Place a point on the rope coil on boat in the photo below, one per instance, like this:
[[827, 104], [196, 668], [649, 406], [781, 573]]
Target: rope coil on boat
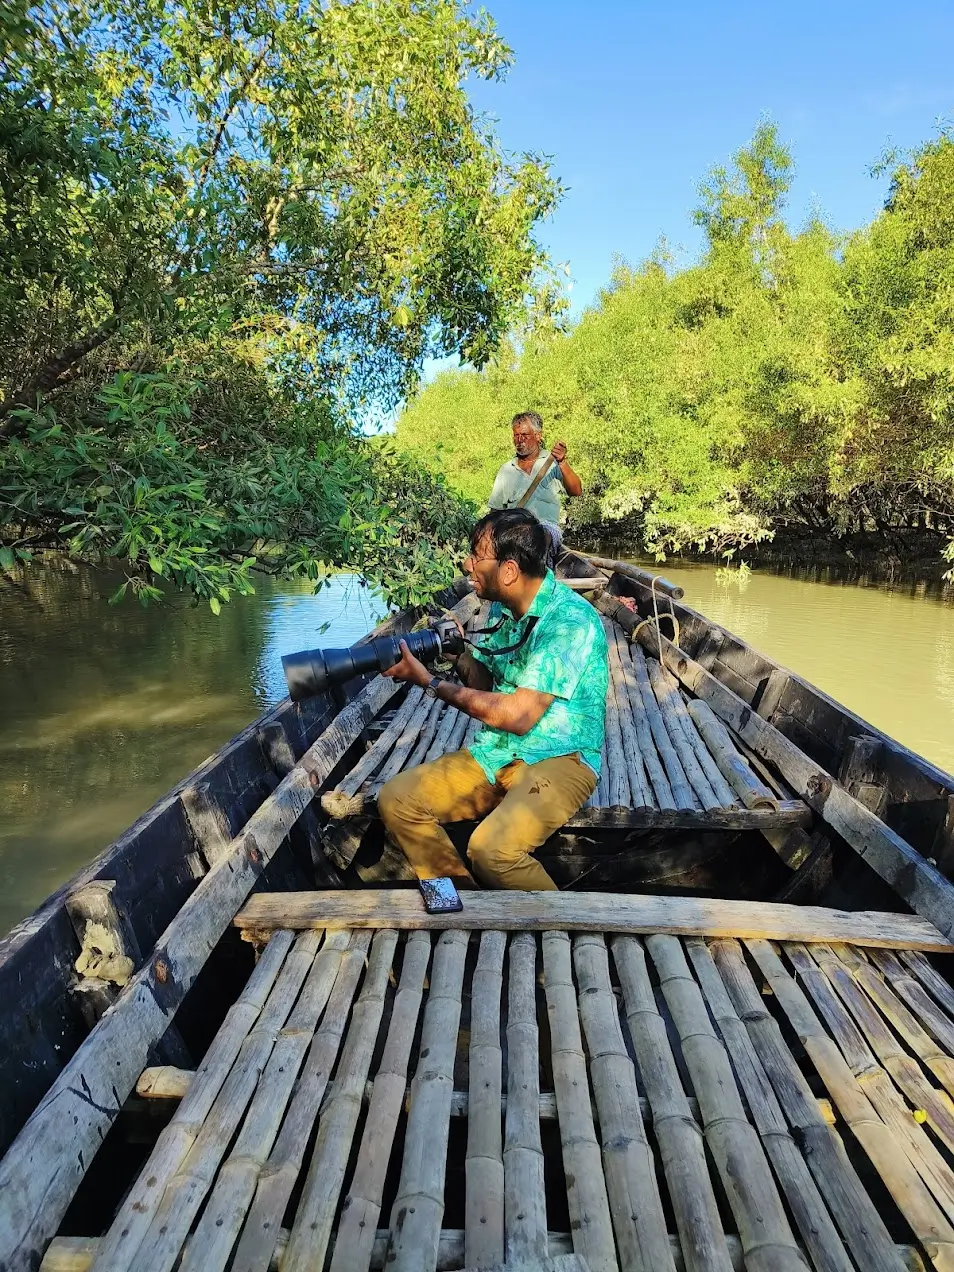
[[654, 621]]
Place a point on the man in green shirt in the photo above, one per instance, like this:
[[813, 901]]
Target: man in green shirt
[[541, 701]]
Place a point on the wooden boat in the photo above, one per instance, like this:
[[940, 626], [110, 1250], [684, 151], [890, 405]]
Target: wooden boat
[[728, 1042]]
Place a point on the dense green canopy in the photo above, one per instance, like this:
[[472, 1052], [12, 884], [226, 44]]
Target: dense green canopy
[[227, 231], [786, 379]]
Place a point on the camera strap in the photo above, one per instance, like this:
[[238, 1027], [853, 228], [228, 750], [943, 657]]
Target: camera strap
[[507, 649]]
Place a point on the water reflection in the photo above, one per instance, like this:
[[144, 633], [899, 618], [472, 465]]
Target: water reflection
[[104, 708]]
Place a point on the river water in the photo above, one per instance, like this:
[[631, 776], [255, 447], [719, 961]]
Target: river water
[[103, 708]]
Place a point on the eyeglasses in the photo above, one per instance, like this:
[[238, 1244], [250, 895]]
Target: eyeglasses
[[475, 559]]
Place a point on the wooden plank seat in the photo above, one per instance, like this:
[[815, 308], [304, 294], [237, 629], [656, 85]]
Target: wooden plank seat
[[386, 1099], [668, 763]]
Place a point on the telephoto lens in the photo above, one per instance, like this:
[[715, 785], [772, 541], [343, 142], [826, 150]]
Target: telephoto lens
[[312, 670]]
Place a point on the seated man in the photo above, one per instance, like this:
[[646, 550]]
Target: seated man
[[541, 702]]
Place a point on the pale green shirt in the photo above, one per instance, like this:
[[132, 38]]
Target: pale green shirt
[[511, 483], [565, 655]]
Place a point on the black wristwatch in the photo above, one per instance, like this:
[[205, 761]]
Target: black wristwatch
[[432, 688]]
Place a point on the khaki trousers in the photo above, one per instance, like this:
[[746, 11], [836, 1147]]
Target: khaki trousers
[[517, 813]]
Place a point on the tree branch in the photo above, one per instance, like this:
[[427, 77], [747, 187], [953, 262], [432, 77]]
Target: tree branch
[[47, 377]]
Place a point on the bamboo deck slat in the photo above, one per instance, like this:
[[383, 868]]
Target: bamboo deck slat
[[292, 1138]]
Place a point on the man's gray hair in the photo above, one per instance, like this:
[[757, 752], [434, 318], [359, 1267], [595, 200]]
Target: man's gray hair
[[528, 417]]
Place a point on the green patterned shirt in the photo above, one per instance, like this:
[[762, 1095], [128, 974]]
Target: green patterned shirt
[[566, 656]]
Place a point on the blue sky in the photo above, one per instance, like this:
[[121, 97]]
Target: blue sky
[[636, 101]]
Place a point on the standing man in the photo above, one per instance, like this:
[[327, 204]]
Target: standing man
[[517, 475], [537, 683]]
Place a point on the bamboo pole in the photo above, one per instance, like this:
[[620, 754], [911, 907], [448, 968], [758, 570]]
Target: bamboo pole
[[637, 715], [909, 1028], [925, 1010], [449, 721], [664, 688], [628, 1165], [901, 1179], [919, 883], [767, 1239], [311, 1231], [906, 1072], [228, 1204], [733, 766], [619, 795], [185, 1192], [419, 1204], [118, 1247], [639, 782], [525, 1211], [362, 1205], [680, 1142], [484, 1199], [628, 571], [884, 1097], [280, 1173], [735, 769], [928, 976], [682, 792], [406, 743], [337, 803], [582, 1165], [74, 1254], [818, 1232], [854, 1211]]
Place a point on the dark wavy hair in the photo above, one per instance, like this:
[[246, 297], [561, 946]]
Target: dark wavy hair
[[514, 534]]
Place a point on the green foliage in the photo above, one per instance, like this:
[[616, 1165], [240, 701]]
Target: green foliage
[[300, 200], [136, 479], [787, 379]]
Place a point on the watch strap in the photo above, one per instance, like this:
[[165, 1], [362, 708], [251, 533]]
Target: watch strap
[[433, 685]]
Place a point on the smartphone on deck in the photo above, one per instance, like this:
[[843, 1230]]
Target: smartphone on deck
[[440, 896]]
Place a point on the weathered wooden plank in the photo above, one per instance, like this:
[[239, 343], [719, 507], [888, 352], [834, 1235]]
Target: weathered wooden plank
[[637, 735], [590, 912], [788, 813], [633, 572]]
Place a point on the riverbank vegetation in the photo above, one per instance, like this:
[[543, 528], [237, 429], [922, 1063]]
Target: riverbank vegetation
[[227, 233], [790, 383]]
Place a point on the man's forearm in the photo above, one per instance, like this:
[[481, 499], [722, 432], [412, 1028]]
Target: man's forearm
[[503, 711], [571, 481]]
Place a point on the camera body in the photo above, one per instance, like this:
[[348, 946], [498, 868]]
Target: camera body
[[312, 670]]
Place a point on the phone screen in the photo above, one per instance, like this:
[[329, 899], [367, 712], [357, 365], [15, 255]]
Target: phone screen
[[440, 896]]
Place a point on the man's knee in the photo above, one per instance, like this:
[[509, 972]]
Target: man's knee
[[396, 798], [485, 854]]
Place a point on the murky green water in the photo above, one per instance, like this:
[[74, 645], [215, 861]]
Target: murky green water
[[102, 709], [105, 707]]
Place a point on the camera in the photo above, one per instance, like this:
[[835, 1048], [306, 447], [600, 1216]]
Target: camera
[[312, 670]]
